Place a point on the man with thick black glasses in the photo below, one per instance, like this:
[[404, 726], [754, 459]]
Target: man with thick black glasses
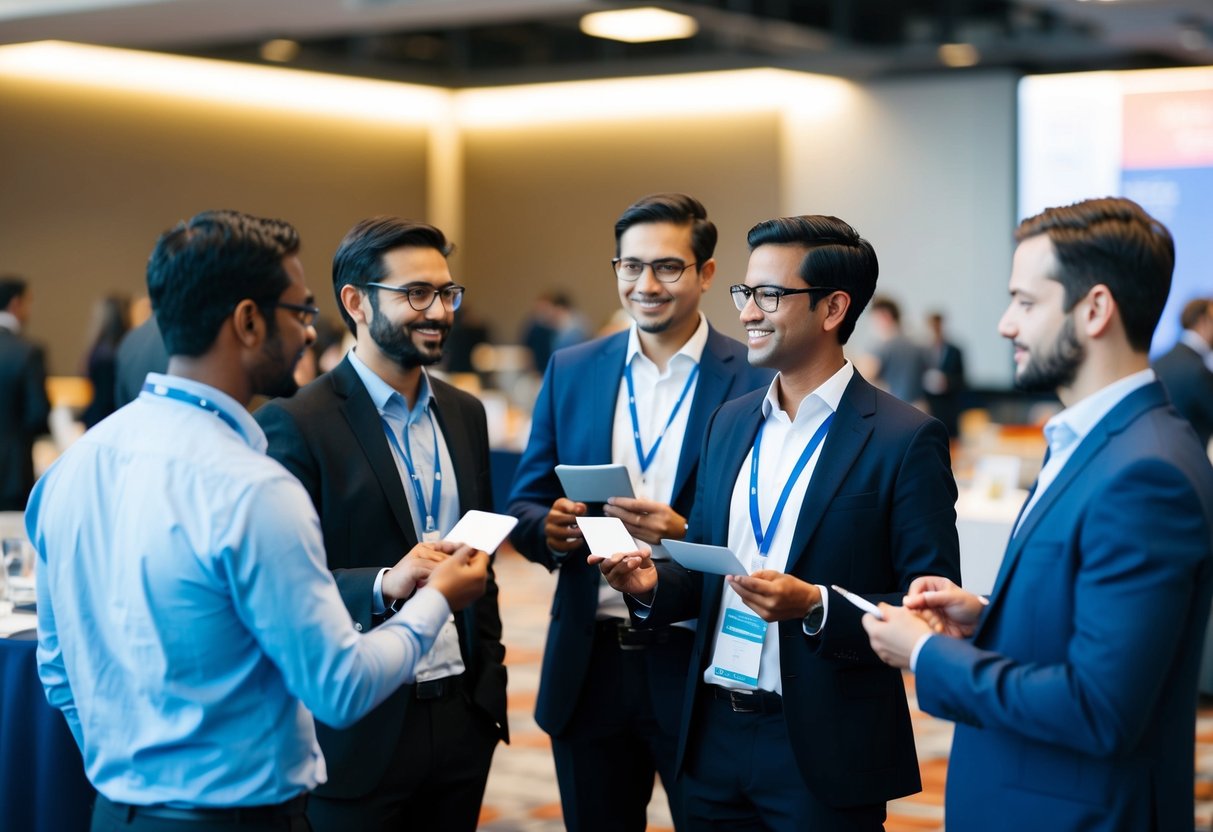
[[609, 695], [392, 458], [790, 720]]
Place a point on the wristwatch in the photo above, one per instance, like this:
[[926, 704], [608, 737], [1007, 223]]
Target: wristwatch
[[814, 618]]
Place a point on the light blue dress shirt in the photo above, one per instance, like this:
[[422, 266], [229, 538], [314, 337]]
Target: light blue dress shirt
[[186, 620]]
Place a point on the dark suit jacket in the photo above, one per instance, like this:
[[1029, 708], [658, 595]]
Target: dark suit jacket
[[23, 411], [879, 512], [140, 352], [572, 425], [330, 436], [1190, 385], [1076, 696]]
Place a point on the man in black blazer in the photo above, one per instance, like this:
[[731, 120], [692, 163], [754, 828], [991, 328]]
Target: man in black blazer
[[1185, 372], [141, 351], [23, 402], [392, 458], [791, 722]]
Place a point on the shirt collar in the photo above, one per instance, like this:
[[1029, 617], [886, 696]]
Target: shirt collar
[[247, 426], [9, 321], [1074, 423], [829, 393], [1198, 345], [692, 349], [386, 398]]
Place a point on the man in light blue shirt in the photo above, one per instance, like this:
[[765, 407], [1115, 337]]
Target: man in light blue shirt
[[188, 628]]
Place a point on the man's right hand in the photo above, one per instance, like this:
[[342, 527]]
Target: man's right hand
[[949, 609], [462, 577], [632, 573], [413, 570], [561, 529]]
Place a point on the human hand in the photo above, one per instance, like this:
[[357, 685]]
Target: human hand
[[647, 520], [947, 608], [411, 571], [462, 577], [894, 638], [775, 596], [632, 573], [560, 528]]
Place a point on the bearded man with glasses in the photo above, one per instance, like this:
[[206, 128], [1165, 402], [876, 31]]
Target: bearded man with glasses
[[790, 721], [392, 458]]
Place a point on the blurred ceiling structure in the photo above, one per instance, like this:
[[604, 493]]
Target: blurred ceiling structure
[[479, 43]]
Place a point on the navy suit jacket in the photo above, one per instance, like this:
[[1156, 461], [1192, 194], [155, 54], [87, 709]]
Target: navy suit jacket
[[1190, 385], [329, 435], [1076, 696], [879, 512], [23, 411], [572, 425]]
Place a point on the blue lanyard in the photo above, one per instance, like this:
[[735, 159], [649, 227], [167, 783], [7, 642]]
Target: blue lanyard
[[189, 398], [430, 512], [644, 459], [763, 539]]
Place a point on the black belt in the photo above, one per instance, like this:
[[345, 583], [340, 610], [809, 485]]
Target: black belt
[[632, 638], [438, 688], [749, 701], [293, 808]]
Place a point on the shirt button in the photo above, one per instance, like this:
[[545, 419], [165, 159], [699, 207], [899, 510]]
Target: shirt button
[[358, 626]]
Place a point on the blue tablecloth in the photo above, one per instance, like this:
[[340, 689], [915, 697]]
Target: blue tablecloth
[[42, 782]]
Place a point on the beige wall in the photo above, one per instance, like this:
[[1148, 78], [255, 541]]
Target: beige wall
[[541, 204], [88, 180]]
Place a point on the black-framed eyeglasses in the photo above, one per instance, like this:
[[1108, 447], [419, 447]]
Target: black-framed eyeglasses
[[305, 313], [666, 271], [421, 295], [767, 297]]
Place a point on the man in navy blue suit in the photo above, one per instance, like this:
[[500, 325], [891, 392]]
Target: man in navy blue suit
[[609, 693], [790, 721], [1074, 687]]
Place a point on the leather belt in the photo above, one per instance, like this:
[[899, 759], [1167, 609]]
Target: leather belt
[[293, 808], [632, 638], [749, 701], [438, 688]]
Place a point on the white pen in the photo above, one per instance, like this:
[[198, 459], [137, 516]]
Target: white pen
[[863, 603]]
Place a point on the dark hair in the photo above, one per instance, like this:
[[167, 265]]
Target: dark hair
[[11, 287], [837, 256], [678, 209], [1114, 242], [201, 269], [359, 257], [888, 306], [1193, 311]]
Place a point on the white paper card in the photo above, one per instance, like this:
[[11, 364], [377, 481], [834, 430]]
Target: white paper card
[[482, 530], [606, 536]]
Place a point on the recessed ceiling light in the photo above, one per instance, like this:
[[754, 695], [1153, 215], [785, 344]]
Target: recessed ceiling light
[[640, 25], [279, 50], [958, 54]]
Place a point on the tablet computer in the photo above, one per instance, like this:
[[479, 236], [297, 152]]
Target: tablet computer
[[594, 483], [717, 560]]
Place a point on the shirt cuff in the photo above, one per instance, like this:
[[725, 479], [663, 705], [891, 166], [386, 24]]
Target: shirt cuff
[[378, 607], [918, 649], [425, 614], [825, 612]]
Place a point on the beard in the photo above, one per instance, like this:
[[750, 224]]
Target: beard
[[396, 342], [276, 375], [1058, 367]]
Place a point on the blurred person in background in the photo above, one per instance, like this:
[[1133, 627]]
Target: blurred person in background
[[24, 406], [140, 352], [902, 363], [944, 379], [1184, 370], [110, 322]]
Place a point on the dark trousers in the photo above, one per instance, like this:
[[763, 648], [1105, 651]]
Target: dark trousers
[[740, 776], [606, 759], [435, 779], [117, 817]]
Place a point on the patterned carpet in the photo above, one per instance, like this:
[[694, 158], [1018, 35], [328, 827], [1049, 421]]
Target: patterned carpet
[[522, 794]]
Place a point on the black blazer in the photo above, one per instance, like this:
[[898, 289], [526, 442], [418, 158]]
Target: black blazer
[[1189, 383], [330, 436], [879, 512], [23, 411]]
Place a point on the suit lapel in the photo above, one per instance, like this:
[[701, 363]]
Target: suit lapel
[[367, 429], [710, 392], [605, 385], [847, 437]]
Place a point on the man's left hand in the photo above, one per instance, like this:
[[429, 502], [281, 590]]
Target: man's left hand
[[894, 638], [775, 596], [647, 520]]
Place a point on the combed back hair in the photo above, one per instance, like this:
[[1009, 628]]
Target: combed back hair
[[1193, 311], [11, 287], [837, 256], [359, 258], [678, 209], [202, 268], [1110, 241]]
